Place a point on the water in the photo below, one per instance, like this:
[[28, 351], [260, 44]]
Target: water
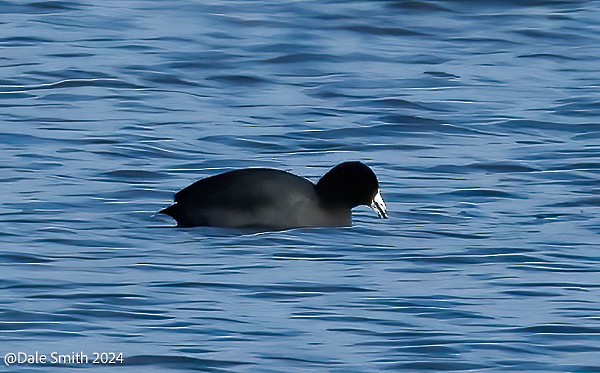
[[480, 119]]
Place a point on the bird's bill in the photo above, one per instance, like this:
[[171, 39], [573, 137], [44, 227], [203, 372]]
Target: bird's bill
[[379, 206]]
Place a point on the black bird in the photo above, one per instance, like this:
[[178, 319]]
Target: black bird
[[272, 199]]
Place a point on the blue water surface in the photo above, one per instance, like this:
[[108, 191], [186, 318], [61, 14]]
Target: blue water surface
[[481, 119]]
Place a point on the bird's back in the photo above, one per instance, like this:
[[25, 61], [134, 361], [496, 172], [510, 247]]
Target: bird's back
[[256, 197]]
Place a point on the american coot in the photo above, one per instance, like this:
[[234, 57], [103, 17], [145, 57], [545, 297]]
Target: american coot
[[273, 199]]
